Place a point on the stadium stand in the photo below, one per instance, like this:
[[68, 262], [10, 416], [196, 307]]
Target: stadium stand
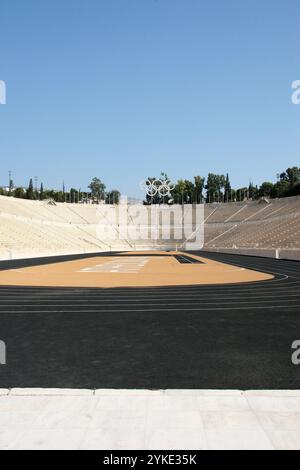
[[41, 228], [267, 226]]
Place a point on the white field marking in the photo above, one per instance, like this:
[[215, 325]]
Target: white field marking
[[16, 270], [124, 265], [236, 269]]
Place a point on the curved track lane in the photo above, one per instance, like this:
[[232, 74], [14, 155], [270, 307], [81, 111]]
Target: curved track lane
[[231, 336]]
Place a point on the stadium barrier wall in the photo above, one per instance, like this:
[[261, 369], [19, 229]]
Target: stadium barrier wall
[[12, 255], [278, 253]]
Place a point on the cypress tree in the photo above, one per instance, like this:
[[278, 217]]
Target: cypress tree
[[29, 192], [42, 192]]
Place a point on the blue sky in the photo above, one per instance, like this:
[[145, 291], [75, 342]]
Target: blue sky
[[122, 89]]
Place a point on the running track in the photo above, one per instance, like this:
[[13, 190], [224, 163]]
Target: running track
[[234, 336]]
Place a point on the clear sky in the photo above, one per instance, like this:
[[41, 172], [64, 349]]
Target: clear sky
[[123, 89]]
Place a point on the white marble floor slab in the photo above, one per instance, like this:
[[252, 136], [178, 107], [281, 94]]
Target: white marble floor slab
[[145, 419]]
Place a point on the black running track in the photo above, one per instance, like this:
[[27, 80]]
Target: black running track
[[229, 336]]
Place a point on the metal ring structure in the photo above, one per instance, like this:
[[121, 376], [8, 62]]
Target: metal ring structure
[[157, 186]]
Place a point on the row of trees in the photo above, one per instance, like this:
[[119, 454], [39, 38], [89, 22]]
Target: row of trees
[[214, 188], [217, 188], [97, 193]]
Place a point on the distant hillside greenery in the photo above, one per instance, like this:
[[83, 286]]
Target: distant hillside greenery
[[213, 188], [217, 188], [97, 193]]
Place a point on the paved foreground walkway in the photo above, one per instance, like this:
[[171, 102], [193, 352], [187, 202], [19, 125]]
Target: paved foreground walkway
[[144, 419]]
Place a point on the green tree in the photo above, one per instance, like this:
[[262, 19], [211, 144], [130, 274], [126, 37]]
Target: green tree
[[189, 192], [227, 187], [214, 185], [199, 186], [30, 192], [19, 192], [180, 190], [73, 195], [11, 186], [293, 175], [113, 197], [252, 191], [42, 192], [241, 194], [97, 189], [295, 190], [266, 189]]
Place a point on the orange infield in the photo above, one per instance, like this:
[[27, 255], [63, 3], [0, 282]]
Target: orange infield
[[131, 269]]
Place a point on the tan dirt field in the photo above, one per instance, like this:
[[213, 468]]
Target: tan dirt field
[[123, 271]]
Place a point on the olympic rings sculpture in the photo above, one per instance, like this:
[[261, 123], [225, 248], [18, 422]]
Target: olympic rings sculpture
[[161, 187]]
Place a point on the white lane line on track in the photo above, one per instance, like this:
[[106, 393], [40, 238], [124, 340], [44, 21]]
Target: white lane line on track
[[246, 286], [112, 292], [129, 304], [104, 292], [230, 285], [121, 299], [186, 309], [261, 286], [258, 267], [205, 289]]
